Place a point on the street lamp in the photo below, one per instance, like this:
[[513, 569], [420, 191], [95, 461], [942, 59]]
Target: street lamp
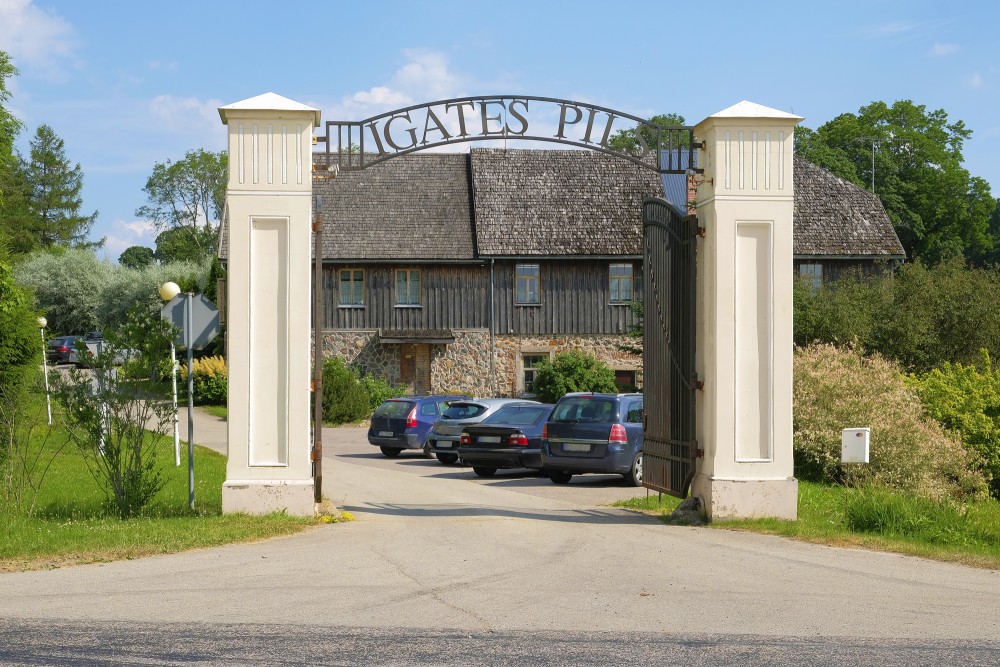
[[167, 292], [42, 322]]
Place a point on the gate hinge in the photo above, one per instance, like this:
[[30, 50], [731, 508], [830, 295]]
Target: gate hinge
[[699, 385], [699, 453]]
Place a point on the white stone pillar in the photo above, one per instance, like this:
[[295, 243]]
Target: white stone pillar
[[744, 327], [268, 305]]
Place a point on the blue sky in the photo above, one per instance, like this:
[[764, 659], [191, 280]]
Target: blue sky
[[129, 84]]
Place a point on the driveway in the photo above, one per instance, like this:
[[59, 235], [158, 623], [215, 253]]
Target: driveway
[[441, 567]]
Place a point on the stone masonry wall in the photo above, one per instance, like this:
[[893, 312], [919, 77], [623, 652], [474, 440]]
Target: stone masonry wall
[[464, 366]]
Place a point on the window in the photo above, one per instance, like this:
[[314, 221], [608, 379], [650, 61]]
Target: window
[[408, 287], [620, 282], [531, 363], [813, 272], [527, 284], [625, 380], [352, 287]]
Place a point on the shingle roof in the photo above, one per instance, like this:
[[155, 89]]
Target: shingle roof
[[410, 208], [533, 202], [835, 217]]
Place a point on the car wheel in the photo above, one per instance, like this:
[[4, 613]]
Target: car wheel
[[391, 452], [484, 472], [634, 475], [560, 477], [447, 459]]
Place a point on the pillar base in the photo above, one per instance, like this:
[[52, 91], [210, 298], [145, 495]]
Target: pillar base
[[254, 496], [747, 498]]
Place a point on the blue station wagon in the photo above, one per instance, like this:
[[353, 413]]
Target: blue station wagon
[[594, 433], [403, 423]]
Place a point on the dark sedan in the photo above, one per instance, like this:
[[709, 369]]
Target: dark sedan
[[509, 438]]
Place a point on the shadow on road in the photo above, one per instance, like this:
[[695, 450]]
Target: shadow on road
[[593, 516]]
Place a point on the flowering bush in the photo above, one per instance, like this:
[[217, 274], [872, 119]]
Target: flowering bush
[[966, 399], [837, 388], [211, 380]]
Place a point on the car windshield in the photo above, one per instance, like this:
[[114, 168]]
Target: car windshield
[[518, 415], [463, 411], [584, 409], [393, 409]]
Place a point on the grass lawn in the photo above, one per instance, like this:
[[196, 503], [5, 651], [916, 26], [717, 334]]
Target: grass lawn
[[836, 516], [72, 524]]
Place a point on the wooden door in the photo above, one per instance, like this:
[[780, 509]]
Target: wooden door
[[415, 368]]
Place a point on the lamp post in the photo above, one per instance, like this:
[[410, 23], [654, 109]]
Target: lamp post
[[42, 322], [167, 292]]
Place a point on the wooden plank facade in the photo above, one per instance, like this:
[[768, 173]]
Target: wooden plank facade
[[574, 298]]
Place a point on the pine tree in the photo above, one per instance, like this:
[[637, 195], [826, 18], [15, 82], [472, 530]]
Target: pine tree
[[55, 199]]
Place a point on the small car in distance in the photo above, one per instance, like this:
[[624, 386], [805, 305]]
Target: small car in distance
[[509, 438], [594, 433], [445, 435], [58, 349], [404, 422]]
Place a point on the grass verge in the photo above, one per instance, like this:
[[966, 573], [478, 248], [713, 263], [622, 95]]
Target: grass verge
[[72, 523], [874, 519]]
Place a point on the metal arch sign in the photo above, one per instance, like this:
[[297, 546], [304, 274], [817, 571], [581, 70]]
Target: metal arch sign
[[355, 145]]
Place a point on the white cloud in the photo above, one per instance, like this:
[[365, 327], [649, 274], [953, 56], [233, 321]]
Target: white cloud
[[939, 50], [975, 80], [34, 36], [187, 116], [891, 28], [381, 96], [127, 234]]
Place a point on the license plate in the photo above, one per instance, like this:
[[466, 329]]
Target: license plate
[[385, 434], [444, 444], [575, 447], [490, 439]]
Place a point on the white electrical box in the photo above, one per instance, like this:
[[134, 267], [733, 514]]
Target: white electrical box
[[854, 443]]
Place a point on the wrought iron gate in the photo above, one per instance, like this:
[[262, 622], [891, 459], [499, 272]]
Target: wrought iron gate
[[669, 383]]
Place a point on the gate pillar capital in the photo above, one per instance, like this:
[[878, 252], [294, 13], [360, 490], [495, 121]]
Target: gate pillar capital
[[269, 205], [744, 325]]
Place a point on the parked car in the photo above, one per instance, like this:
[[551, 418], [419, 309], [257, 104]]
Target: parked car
[[446, 434], [404, 422], [594, 433], [89, 346], [509, 438], [58, 349]]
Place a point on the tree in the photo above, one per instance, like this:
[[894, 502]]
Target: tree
[[10, 126], [186, 243], [20, 347], [626, 140], [572, 371], [188, 194], [13, 200], [54, 201], [68, 285], [109, 410], [912, 159], [136, 257]]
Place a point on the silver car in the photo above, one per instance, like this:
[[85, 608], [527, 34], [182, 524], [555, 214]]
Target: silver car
[[446, 434]]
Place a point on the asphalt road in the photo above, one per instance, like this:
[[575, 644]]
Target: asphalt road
[[441, 568]]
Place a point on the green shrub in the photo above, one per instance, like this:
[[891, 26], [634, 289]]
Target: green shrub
[[379, 390], [966, 399], [211, 380], [922, 317], [572, 371], [345, 399], [838, 388]]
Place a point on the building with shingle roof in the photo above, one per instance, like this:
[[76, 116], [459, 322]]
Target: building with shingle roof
[[461, 271]]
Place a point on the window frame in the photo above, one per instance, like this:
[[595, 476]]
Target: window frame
[[814, 272], [537, 279], [533, 369], [340, 290], [612, 279], [402, 300]]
